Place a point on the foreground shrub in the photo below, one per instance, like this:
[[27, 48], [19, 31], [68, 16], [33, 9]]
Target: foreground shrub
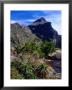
[[28, 71], [25, 70], [41, 71], [15, 74], [31, 71]]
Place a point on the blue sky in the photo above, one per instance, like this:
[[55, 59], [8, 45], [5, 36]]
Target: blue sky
[[27, 17]]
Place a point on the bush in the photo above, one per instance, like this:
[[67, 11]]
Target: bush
[[30, 47], [29, 74], [47, 47], [15, 64], [39, 52], [43, 49], [41, 71], [24, 69], [15, 74]]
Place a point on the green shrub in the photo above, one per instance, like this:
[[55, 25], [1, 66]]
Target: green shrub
[[24, 69], [27, 71], [47, 47], [39, 52], [15, 74], [29, 74], [30, 46], [15, 64], [41, 71]]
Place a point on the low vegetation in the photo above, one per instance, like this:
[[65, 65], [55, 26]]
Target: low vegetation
[[27, 71], [30, 65], [41, 50]]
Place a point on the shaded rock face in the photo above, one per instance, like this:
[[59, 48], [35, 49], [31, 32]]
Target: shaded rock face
[[43, 29]]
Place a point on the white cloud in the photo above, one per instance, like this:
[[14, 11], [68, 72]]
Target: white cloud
[[30, 20], [13, 21], [55, 21], [22, 22]]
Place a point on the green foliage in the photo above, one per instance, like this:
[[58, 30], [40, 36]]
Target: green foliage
[[41, 71], [41, 50], [29, 74], [24, 69], [30, 46], [15, 64], [47, 47], [42, 67], [15, 74], [27, 71]]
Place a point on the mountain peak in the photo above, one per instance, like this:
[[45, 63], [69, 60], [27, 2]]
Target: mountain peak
[[41, 20]]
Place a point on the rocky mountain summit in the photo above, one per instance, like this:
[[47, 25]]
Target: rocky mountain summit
[[39, 21]]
